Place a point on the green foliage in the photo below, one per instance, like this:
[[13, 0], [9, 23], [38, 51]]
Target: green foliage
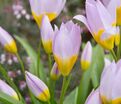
[[92, 75], [71, 98], [33, 55]]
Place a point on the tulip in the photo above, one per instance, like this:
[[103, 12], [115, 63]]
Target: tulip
[[114, 7], [47, 34], [37, 87], [86, 56], [55, 73], [110, 86], [5, 88], [7, 41], [94, 98], [101, 24], [66, 46], [51, 8]]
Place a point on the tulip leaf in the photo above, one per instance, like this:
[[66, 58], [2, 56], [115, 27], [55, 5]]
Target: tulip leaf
[[33, 55], [97, 65], [6, 99], [71, 98], [91, 78]]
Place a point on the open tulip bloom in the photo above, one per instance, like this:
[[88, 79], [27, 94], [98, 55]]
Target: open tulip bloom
[[66, 46], [51, 8], [114, 7], [109, 91], [7, 41], [103, 28]]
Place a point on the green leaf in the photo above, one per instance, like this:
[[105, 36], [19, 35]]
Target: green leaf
[[92, 75], [6, 99], [71, 98], [97, 65], [33, 55]]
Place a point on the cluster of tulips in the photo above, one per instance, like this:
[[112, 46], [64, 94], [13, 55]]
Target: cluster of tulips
[[103, 20]]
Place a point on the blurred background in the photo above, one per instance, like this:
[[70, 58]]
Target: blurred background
[[16, 18]]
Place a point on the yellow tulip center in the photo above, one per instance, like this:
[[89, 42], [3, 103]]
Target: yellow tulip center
[[65, 65], [47, 46], [15, 96], [44, 96], [85, 65], [109, 42], [38, 18], [11, 47], [115, 101]]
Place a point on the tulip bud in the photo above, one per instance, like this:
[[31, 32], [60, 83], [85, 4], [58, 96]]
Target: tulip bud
[[7, 41], [86, 56], [47, 34], [37, 87], [5, 88], [55, 73]]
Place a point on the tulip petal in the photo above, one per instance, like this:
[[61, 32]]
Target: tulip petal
[[83, 20], [106, 82], [94, 98]]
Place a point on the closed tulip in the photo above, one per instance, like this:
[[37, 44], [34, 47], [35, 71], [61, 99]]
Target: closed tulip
[[47, 34], [7, 41], [86, 57], [51, 8], [5, 88], [101, 24], [37, 87], [55, 73], [66, 46]]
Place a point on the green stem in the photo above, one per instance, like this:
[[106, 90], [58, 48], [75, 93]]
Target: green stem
[[50, 63], [21, 63], [7, 78], [118, 52], [48, 102], [38, 59], [64, 88], [114, 55]]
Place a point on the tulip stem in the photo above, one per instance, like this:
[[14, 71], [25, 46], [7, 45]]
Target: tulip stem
[[49, 102], [114, 55], [65, 85], [21, 63], [50, 63], [38, 59], [118, 52]]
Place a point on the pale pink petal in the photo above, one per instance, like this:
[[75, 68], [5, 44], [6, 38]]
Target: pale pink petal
[[106, 81], [47, 32], [94, 98]]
